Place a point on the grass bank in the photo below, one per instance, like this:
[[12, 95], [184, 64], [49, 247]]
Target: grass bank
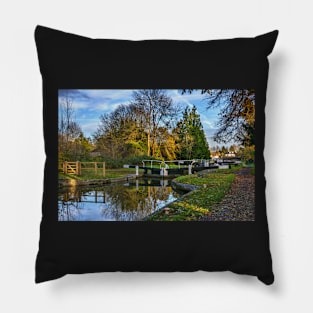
[[233, 169], [197, 204]]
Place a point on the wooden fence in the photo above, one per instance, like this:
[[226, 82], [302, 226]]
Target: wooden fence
[[77, 167]]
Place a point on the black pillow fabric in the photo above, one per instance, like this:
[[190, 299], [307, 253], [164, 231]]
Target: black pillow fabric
[[71, 62]]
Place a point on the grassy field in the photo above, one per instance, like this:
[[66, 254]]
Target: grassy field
[[109, 173], [197, 204]]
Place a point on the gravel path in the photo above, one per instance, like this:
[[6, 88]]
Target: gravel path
[[238, 204]]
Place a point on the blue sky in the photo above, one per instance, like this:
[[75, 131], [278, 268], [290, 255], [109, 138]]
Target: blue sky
[[89, 104]]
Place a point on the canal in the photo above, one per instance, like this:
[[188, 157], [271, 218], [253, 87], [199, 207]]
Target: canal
[[127, 201]]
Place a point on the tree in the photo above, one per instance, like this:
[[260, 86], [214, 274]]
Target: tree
[[190, 135], [136, 129], [167, 147], [223, 151], [232, 148], [237, 114], [83, 147], [154, 109], [120, 133], [69, 131], [247, 153]]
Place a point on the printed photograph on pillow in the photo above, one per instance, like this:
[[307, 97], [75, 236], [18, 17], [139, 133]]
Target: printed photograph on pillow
[[156, 155]]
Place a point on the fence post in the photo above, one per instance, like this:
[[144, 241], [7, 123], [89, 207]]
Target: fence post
[[65, 167], [95, 167], [103, 169], [78, 168], [189, 169]]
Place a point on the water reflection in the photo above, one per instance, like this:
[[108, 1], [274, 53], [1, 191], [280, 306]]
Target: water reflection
[[129, 201]]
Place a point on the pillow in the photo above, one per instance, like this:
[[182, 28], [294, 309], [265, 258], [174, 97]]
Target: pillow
[[125, 123]]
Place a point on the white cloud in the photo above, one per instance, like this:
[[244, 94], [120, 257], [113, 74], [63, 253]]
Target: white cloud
[[88, 126], [79, 105], [190, 99], [105, 106], [178, 98], [107, 94], [206, 122]]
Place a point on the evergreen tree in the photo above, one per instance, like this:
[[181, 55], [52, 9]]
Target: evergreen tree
[[190, 136]]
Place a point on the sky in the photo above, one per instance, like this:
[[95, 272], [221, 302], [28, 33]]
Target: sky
[[89, 104]]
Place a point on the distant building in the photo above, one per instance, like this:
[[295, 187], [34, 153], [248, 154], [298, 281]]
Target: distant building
[[215, 155], [230, 154]]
